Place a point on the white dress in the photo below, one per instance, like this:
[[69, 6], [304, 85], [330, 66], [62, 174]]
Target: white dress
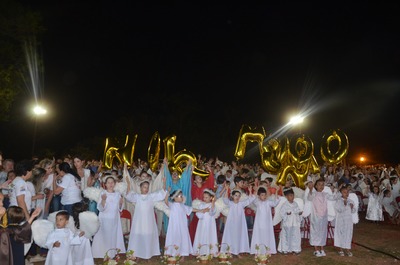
[[344, 223], [290, 235], [235, 233], [110, 232], [374, 209], [178, 230], [206, 231], [387, 203], [82, 254], [143, 238], [318, 218], [263, 228], [61, 255]]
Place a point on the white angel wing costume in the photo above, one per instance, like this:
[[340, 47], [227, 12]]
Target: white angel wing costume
[[331, 204], [277, 217], [221, 207], [42, 228], [354, 198], [92, 193], [196, 203], [89, 223]]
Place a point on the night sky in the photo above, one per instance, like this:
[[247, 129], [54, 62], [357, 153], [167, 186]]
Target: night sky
[[201, 71]]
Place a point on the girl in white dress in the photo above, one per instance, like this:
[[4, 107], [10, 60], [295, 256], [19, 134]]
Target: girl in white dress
[[263, 229], [110, 233], [319, 217], [81, 254], [178, 230], [374, 209], [206, 230], [343, 236], [143, 238], [235, 233]]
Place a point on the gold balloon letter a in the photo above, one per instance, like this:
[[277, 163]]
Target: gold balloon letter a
[[123, 154]]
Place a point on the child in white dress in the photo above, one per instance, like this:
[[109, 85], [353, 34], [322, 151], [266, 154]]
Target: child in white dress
[[290, 235], [391, 207], [110, 233], [178, 230], [82, 253], [206, 231], [374, 208], [263, 228], [235, 233], [343, 236], [60, 242], [143, 238], [319, 217]]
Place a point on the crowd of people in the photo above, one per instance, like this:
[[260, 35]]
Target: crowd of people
[[184, 208]]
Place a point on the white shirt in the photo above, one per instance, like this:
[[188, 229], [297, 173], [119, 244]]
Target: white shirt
[[71, 193], [19, 188]]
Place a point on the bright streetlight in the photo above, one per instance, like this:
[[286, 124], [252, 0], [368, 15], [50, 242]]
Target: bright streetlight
[[38, 111], [296, 120]]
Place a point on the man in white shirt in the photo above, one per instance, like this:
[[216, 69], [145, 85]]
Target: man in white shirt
[[19, 194]]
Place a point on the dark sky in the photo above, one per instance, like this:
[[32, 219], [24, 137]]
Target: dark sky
[[201, 71]]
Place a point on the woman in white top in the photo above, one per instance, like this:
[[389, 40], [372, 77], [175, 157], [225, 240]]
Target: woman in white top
[[47, 184], [79, 166], [69, 186], [38, 197]]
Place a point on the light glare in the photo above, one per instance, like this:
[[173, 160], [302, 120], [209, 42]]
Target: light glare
[[38, 110], [296, 120]]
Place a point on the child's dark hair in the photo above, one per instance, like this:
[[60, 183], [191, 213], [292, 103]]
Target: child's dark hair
[[269, 179], [234, 192], [344, 187], [321, 180], [238, 179], [65, 214], [110, 177], [287, 192], [77, 208], [261, 190], [15, 215], [221, 179], [174, 194], [385, 193], [144, 182]]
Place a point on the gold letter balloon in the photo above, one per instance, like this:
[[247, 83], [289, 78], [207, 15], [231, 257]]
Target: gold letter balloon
[[153, 152], [284, 158], [294, 158], [334, 155], [123, 154]]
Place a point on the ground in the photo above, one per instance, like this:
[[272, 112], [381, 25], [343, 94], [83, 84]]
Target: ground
[[372, 244]]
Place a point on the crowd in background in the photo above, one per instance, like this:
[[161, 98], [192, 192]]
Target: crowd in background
[[58, 184]]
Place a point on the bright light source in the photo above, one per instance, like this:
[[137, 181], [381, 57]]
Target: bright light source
[[296, 120], [39, 110], [362, 159]]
